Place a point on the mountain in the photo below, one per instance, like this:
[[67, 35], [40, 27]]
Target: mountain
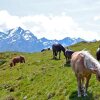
[[65, 42], [21, 40]]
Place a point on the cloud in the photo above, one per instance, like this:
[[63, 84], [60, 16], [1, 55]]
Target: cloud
[[9, 21], [51, 27], [97, 18]]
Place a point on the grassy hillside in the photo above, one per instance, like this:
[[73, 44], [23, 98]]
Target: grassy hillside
[[42, 78]]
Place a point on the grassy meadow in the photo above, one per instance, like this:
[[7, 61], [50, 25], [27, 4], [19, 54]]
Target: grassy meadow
[[42, 78]]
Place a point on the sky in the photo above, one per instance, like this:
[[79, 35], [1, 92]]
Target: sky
[[53, 19]]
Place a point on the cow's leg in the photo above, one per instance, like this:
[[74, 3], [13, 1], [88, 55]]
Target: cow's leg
[[14, 63], [59, 54], [66, 59], [24, 60], [82, 86], [53, 54], [86, 85], [79, 85]]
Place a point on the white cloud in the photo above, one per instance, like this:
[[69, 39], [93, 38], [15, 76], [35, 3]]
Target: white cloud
[[51, 27], [8, 21], [97, 18]]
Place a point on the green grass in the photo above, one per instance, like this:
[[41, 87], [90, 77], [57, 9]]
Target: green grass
[[42, 78]]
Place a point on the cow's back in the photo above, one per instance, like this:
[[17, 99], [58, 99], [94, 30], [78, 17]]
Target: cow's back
[[77, 62]]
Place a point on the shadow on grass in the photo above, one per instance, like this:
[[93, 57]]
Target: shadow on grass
[[74, 96], [67, 64]]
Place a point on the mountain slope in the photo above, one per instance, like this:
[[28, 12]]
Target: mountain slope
[[42, 78]]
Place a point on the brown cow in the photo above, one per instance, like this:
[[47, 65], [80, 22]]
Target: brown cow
[[18, 59]]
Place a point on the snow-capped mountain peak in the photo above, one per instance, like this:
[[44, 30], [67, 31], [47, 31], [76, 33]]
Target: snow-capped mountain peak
[[29, 35], [21, 40], [19, 33]]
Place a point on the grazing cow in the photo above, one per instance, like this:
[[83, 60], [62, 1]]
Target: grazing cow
[[45, 49], [57, 48], [84, 64], [68, 54], [48, 48], [98, 53], [18, 59]]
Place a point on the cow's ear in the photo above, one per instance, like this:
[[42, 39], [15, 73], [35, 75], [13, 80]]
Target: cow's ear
[[81, 55]]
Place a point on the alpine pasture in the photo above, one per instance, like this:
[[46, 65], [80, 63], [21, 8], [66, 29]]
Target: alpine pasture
[[42, 78]]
